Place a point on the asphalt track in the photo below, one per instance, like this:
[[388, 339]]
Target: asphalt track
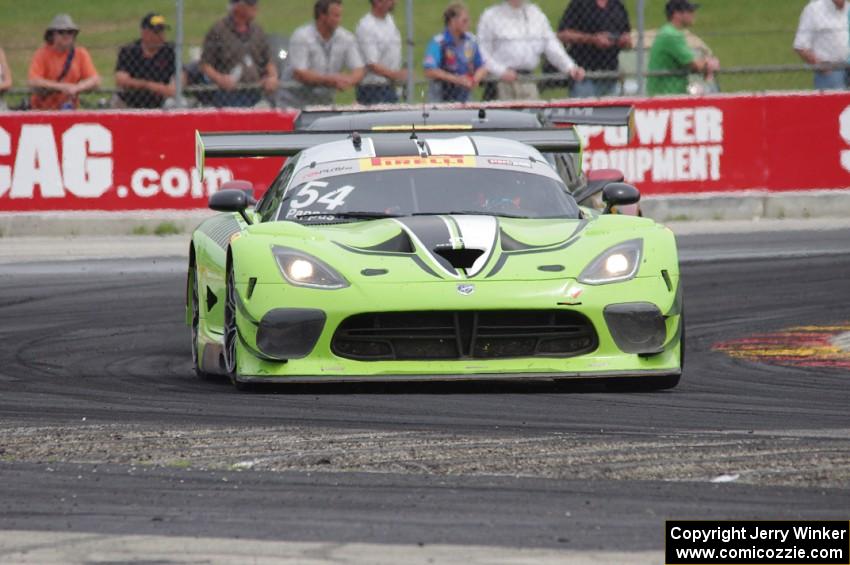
[[104, 429]]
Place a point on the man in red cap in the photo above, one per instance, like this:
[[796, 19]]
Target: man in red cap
[[61, 70]]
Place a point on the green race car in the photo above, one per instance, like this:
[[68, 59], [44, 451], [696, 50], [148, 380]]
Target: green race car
[[438, 255]]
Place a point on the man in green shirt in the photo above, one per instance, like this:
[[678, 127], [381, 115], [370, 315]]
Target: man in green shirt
[[670, 52]]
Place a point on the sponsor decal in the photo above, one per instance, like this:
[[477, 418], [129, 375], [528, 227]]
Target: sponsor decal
[[121, 160], [728, 143], [373, 163], [509, 163], [673, 145], [318, 172]]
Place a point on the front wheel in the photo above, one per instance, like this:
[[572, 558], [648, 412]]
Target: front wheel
[[231, 333], [195, 311]]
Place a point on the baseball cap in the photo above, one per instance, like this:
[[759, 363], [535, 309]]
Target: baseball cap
[[680, 6], [154, 21]]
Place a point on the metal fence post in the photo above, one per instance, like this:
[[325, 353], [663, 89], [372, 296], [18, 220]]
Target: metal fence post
[[641, 27], [410, 78], [178, 57]]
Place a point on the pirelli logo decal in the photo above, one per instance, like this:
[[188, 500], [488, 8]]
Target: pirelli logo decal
[[375, 163]]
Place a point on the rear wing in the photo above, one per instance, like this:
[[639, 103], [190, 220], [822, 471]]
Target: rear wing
[[597, 115], [287, 144]]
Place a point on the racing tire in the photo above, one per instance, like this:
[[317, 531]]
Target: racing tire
[[231, 333], [195, 309]]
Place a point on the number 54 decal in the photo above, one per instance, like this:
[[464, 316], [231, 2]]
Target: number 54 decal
[[332, 200]]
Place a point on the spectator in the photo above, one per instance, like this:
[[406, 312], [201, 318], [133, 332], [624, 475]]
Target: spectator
[[596, 30], [236, 56], [513, 35], [822, 40], [453, 58], [318, 52], [5, 73], [60, 70], [670, 52], [380, 45], [145, 68], [5, 79]]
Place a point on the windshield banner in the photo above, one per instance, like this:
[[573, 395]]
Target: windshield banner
[[145, 160]]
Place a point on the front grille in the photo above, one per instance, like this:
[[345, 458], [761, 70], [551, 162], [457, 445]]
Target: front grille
[[463, 334]]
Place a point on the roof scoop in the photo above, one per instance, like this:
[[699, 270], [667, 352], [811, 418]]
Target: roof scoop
[[459, 258]]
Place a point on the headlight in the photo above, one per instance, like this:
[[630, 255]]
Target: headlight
[[301, 269], [618, 263]]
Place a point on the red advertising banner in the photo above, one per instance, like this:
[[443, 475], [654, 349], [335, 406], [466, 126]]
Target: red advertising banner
[[776, 142], [122, 160], [145, 160]]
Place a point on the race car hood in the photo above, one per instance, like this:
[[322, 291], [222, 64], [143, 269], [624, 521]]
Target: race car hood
[[466, 247]]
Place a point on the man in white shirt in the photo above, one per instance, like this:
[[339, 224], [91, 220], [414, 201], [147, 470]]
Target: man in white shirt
[[380, 45], [318, 53], [822, 39], [512, 36]]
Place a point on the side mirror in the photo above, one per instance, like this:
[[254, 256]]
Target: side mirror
[[619, 194], [230, 200], [245, 186], [597, 179]]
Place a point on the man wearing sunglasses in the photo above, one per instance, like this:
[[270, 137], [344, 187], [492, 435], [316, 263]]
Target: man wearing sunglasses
[[145, 68], [60, 70]]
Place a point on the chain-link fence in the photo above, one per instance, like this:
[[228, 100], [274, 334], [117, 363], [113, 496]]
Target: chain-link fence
[[387, 51]]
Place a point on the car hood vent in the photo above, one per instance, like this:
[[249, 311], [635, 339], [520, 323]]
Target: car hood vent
[[459, 258]]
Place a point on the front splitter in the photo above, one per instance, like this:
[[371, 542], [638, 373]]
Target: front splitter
[[453, 378]]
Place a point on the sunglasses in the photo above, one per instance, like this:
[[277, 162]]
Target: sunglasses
[[66, 32]]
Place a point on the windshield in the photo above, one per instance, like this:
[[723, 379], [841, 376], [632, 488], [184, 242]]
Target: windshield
[[404, 192]]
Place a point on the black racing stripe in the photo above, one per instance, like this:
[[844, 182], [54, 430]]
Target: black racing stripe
[[400, 244], [676, 308], [493, 249], [243, 311], [371, 251], [397, 245], [511, 244], [506, 254], [677, 335], [418, 260], [433, 232], [580, 227], [555, 247], [498, 266], [415, 258]]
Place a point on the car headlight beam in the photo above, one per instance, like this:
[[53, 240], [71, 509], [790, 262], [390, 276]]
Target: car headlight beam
[[302, 269], [616, 264]]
